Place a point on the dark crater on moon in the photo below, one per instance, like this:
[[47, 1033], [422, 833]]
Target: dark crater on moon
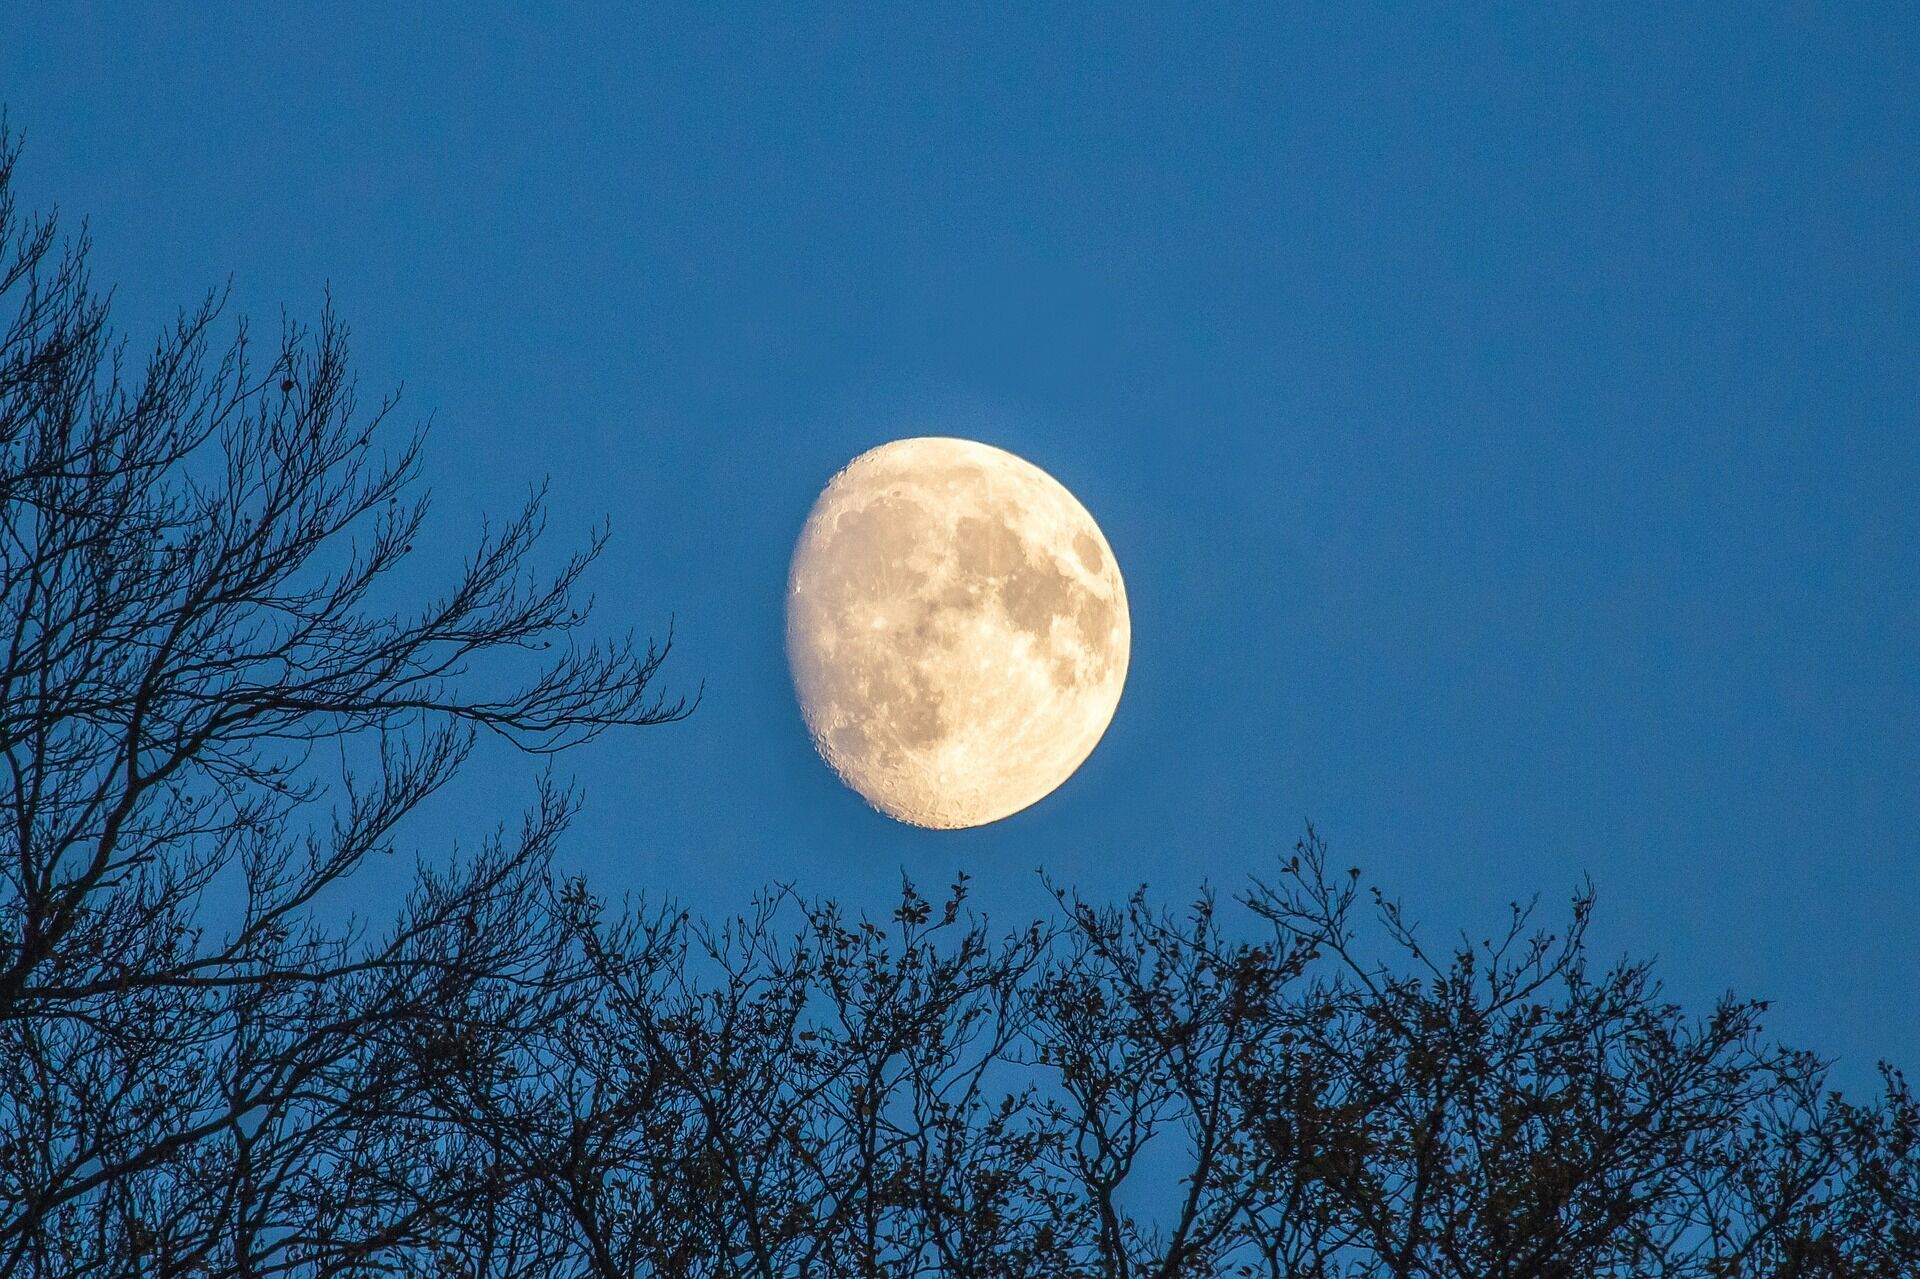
[[913, 711], [871, 544], [1036, 591], [870, 550]]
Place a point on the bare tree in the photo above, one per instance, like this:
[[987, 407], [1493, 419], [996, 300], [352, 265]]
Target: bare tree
[[223, 688], [1498, 1108], [196, 1073], [1139, 1092]]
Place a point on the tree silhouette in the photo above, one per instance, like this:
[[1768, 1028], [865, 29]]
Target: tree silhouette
[[1136, 1092], [193, 1070], [221, 694]]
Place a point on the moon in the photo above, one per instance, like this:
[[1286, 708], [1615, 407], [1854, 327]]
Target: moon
[[957, 629]]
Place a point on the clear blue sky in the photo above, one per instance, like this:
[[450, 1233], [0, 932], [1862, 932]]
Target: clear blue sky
[[1508, 421]]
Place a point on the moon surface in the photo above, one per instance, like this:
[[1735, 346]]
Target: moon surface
[[957, 629]]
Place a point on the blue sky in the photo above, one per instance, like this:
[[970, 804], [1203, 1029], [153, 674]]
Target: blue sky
[[1508, 421]]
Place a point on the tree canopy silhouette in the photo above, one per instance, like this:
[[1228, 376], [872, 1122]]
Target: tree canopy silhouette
[[220, 695], [194, 1070]]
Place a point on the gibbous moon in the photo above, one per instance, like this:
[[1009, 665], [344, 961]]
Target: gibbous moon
[[957, 629]]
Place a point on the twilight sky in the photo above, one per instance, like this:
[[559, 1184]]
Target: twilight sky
[[1508, 422]]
